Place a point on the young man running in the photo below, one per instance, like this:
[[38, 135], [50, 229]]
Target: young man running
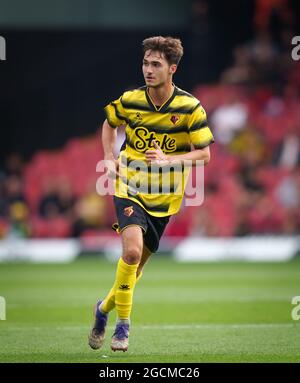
[[164, 126]]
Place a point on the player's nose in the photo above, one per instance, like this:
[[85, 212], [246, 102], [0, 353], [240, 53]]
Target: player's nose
[[149, 71]]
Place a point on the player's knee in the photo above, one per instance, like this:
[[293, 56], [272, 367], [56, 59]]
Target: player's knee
[[132, 255]]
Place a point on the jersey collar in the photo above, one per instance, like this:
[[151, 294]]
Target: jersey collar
[[164, 106]]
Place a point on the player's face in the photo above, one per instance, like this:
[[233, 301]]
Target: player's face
[[156, 69]]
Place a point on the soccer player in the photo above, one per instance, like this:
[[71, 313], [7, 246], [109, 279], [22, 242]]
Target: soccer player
[[164, 126]]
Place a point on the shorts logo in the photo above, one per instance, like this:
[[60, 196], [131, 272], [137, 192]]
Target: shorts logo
[[174, 119], [128, 211]]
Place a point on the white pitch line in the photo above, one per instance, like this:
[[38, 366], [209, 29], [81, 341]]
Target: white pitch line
[[215, 326], [168, 299], [164, 327]]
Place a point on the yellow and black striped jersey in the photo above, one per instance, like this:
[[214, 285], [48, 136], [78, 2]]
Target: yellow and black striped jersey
[[177, 126]]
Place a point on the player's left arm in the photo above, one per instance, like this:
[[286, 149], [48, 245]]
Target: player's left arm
[[159, 157], [194, 155], [200, 137]]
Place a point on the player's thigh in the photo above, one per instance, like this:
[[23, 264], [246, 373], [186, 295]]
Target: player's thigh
[[132, 241]]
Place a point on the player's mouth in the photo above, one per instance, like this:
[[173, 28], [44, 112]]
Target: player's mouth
[[149, 78]]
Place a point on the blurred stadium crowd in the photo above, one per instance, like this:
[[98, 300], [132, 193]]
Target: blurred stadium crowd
[[252, 184]]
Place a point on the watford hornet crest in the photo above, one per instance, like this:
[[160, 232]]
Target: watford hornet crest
[[174, 118], [128, 211]]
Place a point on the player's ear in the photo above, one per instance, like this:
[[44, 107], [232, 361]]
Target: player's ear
[[173, 68]]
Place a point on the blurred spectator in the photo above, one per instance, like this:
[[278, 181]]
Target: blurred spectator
[[287, 191], [228, 119], [274, 106], [273, 15], [66, 198], [261, 61], [4, 225], [264, 217], [287, 154], [14, 165], [250, 146], [254, 62], [256, 212], [57, 199], [49, 204], [243, 207], [291, 222], [12, 192], [241, 71], [202, 36], [90, 213], [262, 51], [250, 180], [2, 194], [18, 217]]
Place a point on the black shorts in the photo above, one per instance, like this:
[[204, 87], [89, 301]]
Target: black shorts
[[130, 213]]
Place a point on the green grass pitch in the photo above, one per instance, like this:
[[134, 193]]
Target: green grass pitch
[[189, 312]]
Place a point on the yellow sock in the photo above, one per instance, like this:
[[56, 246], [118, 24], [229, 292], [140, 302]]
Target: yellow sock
[[109, 302], [121, 293], [125, 280]]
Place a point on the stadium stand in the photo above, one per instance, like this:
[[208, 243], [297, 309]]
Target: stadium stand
[[249, 188], [252, 183]]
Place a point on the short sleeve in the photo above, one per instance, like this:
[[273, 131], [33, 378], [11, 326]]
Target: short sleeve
[[200, 134], [115, 113]]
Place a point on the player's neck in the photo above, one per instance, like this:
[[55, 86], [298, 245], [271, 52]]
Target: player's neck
[[161, 94]]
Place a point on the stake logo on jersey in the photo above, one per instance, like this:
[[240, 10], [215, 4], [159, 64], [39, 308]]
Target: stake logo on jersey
[[144, 138], [178, 126]]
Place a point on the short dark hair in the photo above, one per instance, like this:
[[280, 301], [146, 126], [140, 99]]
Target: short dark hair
[[169, 46]]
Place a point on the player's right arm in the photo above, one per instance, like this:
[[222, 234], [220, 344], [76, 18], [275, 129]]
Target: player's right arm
[[115, 116], [109, 136]]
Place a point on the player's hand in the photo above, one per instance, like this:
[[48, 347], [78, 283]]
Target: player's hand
[[112, 167], [156, 155]]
